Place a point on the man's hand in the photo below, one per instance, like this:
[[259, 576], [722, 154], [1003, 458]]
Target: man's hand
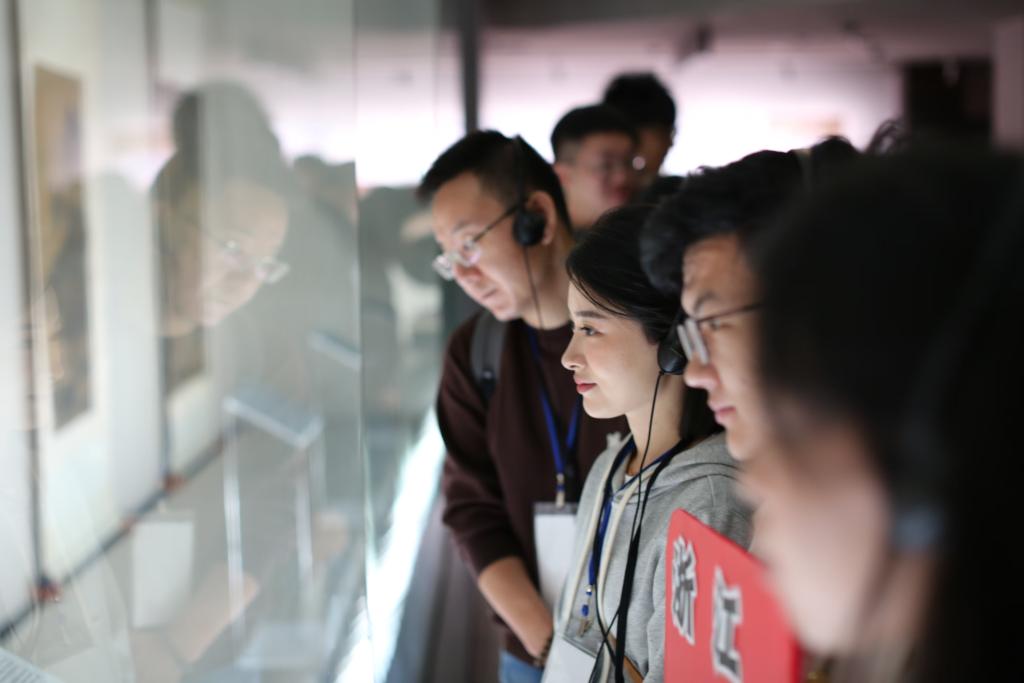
[[508, 589]]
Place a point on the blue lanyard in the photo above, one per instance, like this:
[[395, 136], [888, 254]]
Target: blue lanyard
[[560, 454], [607, 497]]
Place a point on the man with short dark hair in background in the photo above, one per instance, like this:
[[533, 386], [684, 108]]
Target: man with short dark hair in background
[[648, 106], [595, 157], [515, 433]]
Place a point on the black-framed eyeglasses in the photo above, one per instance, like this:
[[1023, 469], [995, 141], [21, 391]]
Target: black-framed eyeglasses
[[468, 253], [692, 339]]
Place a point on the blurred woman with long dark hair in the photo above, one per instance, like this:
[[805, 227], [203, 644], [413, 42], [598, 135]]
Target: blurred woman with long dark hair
[[892, 331]]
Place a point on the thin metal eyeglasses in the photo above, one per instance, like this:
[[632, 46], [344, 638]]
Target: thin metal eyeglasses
[[606, 167], [692, 339], [267, 270], [468, 253]]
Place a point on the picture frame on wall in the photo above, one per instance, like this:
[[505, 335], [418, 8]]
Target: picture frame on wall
[[61, 245], [74, 506]]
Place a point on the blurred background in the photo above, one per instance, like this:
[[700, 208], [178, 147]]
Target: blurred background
[[219, 330]]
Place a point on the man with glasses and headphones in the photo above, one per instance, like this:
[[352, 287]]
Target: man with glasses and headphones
[[508, 411], [695, 244]]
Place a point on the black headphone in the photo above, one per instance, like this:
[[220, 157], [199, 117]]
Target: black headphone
[[671, 359], [527, 226]]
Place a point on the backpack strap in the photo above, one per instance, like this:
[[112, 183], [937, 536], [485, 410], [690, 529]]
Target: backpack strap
[[485, 352]]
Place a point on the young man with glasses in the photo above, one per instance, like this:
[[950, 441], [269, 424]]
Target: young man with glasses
[[696, 244], [501, 222], [596, 161]]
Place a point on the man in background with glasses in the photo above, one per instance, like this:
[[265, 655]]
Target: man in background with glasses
[[647, 104], [696, 244], [500, 220], [596, 161]]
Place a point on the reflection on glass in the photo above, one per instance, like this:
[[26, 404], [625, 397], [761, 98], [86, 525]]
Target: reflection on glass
[[195, 435], [220, 206], [62, 240]]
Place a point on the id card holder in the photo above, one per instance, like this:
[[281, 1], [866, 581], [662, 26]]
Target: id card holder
[[554, 530]]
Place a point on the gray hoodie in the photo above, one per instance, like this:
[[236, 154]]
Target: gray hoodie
[[700, 480]]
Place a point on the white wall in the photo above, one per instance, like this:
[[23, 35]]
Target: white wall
[[105, 463], [729, 104], [526, 85], [733, 105], [404, 118]]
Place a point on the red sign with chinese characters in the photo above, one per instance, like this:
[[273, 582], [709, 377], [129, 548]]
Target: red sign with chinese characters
[[722, 622]]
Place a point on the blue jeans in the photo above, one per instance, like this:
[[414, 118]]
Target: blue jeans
[[511, 669]]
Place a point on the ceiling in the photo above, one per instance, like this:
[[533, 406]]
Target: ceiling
[[891, 31], [784, 14]]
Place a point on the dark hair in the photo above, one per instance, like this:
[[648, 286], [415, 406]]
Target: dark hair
[[505, 167], [605, 267], [661, 188], [873, 311], [642, 99], [583, 122], [742, 198], [891, 136], [221, 131]]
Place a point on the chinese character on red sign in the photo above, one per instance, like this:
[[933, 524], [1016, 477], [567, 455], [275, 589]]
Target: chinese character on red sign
[[722, 623]]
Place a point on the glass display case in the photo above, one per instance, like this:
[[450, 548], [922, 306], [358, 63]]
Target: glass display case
[[219, 335]]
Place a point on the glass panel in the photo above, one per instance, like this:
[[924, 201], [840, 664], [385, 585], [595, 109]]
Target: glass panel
[[219, 357], [17, 569], [195, 342], [255, 207], [407, 113]]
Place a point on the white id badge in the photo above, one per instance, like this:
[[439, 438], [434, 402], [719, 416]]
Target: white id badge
[[568, 664], [553, 535]]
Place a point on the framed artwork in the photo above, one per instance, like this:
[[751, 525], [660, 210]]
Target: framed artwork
[[75, 503], [62, 243]]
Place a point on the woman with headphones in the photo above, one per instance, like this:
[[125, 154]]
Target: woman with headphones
[[624, 356], [891, 360]]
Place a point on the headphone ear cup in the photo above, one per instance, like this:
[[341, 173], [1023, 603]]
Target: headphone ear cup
[[528, 227], [671, 359]]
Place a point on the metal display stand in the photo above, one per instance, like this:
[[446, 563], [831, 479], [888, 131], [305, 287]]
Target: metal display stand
[[301, 430]]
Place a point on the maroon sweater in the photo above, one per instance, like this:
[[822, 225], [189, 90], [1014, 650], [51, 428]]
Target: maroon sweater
[[499, 459]]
